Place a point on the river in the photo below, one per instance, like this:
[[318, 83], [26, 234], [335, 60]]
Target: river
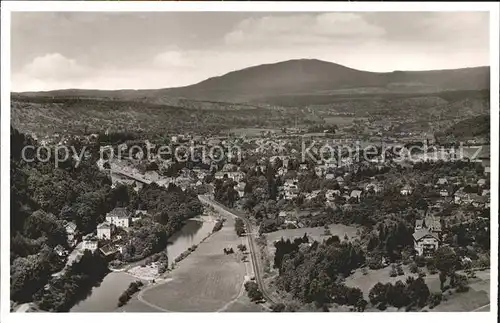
[[105, 296]]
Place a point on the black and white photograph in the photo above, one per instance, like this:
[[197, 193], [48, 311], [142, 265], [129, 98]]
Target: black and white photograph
[[170, 161]]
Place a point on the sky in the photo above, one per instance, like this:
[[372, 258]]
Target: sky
[[144, 50]]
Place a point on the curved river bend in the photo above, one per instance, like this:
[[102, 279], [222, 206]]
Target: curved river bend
[[105, 297]]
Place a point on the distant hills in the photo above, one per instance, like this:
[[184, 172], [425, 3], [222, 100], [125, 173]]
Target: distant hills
[[301, 77], [470, 128], [267, 96]]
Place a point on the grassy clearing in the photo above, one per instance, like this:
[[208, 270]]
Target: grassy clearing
[[252, 131], [339, 120], [206, 280], [366, 282], [477, 296], [244, 304]]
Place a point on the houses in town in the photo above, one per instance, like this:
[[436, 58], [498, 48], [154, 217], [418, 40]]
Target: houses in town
[[425, 242], [240, 188], [109, 249], [406, 190], [444, 192], [71, 233], [60, 251], [90, 242], [119, 217], [291, 189], [374, 187], [355, 195], [332, 194], [236, 176], [426, 237], [104, 231]]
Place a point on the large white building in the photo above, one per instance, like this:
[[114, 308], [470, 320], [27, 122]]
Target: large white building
[[104, 231], [90, 242], [426, 237], [71, 232], [291, 189], [425, 242], [119, 217]]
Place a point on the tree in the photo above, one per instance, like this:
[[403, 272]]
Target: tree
[[361, 305], [253, 291], [353, 296], [279, 307], [446, 262], [435, 299], [377, 294], [442, 279], [242, 247], [460, 282], [418, 292], [393, 272], [397, 295], [239, 227]]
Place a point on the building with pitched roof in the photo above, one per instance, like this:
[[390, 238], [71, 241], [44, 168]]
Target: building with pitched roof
[[104, 231], [119, 217], [425, 242]]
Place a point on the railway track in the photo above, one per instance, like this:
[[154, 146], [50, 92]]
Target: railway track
[[257, 266], [256, 261]]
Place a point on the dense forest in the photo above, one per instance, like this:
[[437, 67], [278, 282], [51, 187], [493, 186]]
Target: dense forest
[[44, 198], [74, 285], [43, 116], [470, 128], [314, 273], [168, 209]]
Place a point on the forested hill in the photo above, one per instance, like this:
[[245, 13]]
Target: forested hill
[[300, 76], [472, 128], [45, 196]]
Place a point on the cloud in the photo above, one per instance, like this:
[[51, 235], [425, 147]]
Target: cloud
[[55, 71], [54, 66], [432, 27], [51, 51], [172, 58], [303, 28]]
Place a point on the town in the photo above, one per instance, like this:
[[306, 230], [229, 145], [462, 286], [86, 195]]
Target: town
[[400, 205], [261, 161]]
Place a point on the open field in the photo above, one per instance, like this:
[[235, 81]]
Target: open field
[[205, 281], [476, 297], [244, 304], [339, 120], [463, 302], [252, 131], [134, 305], [366, 282]]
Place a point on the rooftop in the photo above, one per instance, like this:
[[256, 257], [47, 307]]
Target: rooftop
[[420, 234], [119, 212], [104, 225]]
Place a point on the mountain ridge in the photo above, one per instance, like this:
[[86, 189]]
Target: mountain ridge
[[299, 76]]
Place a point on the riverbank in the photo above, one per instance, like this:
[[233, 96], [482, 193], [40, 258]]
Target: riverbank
[[188, 234], [204, 281], [104, 297]]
